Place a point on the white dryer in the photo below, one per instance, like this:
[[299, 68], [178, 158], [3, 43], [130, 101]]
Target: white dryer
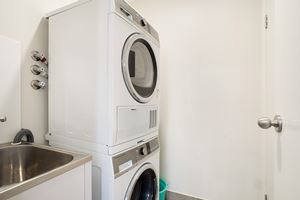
[[103, 76]]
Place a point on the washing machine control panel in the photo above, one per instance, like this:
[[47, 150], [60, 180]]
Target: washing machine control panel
[[129, 159]]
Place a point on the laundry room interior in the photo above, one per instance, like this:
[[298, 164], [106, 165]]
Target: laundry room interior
[[149, 100]]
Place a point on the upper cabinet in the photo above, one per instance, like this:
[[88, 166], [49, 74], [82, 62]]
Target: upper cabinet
[[10, 89]]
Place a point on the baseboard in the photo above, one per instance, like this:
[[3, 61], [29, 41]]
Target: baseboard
[[176, 196]]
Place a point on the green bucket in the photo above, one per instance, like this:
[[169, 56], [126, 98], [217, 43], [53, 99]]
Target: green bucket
[[163, 186]]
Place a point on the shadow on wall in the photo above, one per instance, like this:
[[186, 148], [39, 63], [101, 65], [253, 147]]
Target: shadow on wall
[[38, 42], [164, 111]]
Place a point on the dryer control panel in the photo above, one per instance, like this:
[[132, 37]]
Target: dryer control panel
[[129, 159], [127, 11]]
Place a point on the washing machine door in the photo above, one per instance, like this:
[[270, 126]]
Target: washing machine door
[[139, 66], [144, 185]]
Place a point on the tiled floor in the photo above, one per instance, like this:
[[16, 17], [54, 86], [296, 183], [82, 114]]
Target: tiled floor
[[176, 196]]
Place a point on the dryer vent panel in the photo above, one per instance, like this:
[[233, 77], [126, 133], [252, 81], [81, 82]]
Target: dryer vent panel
[[153, 118], [135, 122]]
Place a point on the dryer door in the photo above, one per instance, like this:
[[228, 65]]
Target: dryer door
[[144, 185], [139, 66]]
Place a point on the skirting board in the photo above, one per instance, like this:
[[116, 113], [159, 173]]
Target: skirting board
[[175, 196]]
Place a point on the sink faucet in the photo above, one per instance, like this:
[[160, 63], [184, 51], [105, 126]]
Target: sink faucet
[[19, 138]]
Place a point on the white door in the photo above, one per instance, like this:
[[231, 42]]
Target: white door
[[10, 92], [283, 86]]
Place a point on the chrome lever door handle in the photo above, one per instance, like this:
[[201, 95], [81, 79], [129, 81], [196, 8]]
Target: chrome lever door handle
[[266, 123], [3, 119]]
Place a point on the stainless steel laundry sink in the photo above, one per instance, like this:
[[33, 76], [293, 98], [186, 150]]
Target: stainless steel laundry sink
[[26, 165], [20, 163]]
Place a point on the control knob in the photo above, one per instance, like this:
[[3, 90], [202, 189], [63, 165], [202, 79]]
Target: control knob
[[143, 22], [143, 151]]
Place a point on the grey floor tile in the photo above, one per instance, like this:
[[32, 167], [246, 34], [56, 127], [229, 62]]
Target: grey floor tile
[[176, 196]]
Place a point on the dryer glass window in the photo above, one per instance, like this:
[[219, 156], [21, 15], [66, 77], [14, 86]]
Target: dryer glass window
[[140, 68], [146, 186]]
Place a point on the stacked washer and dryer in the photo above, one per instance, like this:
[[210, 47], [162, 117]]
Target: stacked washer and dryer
[[104, 94]]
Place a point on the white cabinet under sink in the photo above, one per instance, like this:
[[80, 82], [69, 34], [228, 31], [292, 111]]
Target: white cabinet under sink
[[72, 185]]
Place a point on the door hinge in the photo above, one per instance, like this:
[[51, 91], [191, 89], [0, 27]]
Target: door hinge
[[266, 21], [266, 197]]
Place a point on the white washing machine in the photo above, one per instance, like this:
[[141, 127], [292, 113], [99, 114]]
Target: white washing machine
[[135, 174], [103, 75], [132, 174]]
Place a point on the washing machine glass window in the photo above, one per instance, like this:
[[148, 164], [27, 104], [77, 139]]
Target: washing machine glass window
[[144, 185], [139, 68]]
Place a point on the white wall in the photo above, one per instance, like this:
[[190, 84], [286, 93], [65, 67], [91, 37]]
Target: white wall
[[211, 96], [22, 21], [10, 90]]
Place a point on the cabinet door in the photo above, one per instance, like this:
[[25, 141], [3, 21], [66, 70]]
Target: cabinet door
[[10, 108]]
